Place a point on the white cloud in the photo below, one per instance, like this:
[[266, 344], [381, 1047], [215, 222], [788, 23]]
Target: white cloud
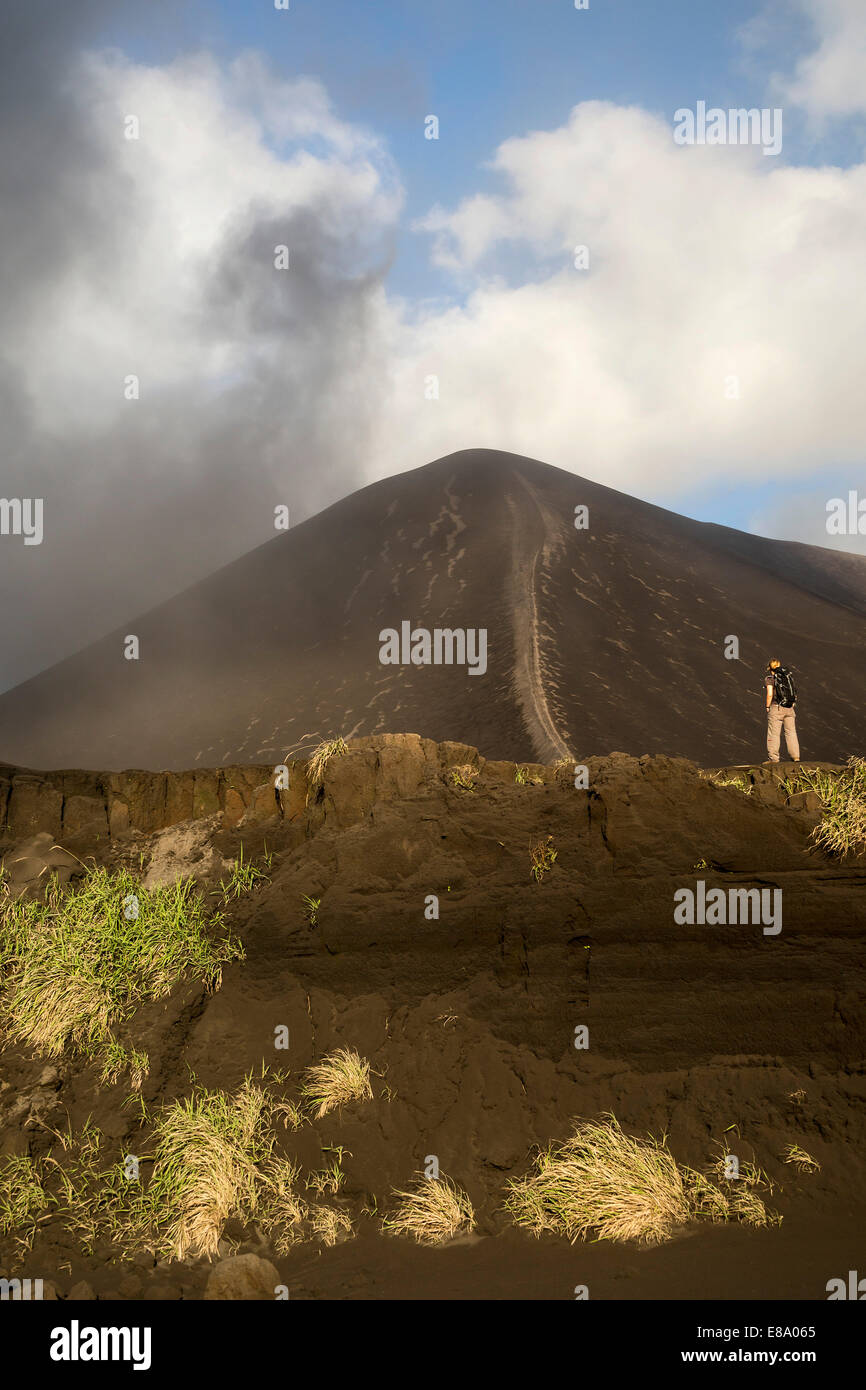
[[831, 80], [828, 80], [155, 258], [706, 264], [219, 149]]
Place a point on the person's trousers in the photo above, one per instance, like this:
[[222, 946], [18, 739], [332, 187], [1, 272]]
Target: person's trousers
[[778, 719]]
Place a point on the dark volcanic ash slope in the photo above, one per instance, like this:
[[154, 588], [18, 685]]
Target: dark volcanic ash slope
[[606, 638]]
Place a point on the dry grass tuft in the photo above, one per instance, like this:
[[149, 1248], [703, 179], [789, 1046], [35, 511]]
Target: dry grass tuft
[[208, 1148], [802, 1161], [327, 1179], [339, 1079], [328, 1224], [523, 777], [283, 1212], [603, 1181], [433, 1211], [214, 1160], [606, 1183], [321, 756]]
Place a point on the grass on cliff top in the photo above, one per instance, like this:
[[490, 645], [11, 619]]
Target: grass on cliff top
[[75, 966], [606, 1183], [842, 828], [464, 777], [321, 756], [740, 780]]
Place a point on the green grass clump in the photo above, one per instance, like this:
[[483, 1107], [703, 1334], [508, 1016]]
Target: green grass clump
[[23, 1198], [311, 907], [523, 777], [464, 777], [243, 878], [74, 967], [94, 1199]]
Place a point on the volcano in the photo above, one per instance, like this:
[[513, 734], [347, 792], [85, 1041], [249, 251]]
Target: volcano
[[606, 621]]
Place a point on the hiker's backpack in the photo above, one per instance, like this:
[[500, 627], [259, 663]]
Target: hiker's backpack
[[784, 690]]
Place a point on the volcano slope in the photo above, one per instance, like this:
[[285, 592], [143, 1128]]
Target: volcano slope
[[613, 636], [726, 1039]]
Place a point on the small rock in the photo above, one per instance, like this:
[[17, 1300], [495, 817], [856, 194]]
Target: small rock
[[243, 1277], [81, 1292], [49, 1076]]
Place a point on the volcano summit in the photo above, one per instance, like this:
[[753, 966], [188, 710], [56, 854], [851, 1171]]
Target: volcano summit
[[611, 635]]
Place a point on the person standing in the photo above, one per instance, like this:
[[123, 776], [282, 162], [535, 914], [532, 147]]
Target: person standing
[[781, 711]]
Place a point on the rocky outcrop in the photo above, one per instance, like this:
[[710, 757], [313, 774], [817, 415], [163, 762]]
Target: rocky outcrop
[[87, 807], [81, 809]]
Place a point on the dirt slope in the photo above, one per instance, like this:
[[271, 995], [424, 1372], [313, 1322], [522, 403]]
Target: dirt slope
[[711, 1034]]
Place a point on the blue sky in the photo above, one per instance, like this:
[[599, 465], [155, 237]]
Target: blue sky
[[491, 70]]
